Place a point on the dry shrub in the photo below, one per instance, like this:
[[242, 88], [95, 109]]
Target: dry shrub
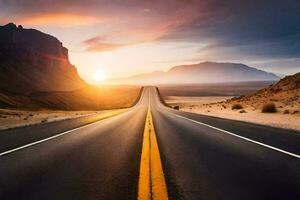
[[176, 107], [286, 112], [44, 120], [295, 112], [236, 106], [269, 108], [243, 111]]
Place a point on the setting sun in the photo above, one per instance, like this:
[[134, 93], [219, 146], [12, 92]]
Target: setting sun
[[99, 76]]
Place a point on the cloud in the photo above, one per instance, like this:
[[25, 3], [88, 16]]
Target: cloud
[[253, 29], [134, 22], [58, 19], [96, 44], [132, 30], [2, 20], [230, 29], [99, 47]]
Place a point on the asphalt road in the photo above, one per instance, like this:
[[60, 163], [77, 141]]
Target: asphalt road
[[202, 158]]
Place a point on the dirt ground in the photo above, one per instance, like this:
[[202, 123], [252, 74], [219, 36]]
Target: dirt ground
[[210, 106], [16, 118]]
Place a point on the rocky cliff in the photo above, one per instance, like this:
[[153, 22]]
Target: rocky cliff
[[33, 61]]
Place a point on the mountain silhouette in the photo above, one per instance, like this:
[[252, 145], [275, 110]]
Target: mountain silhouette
[[206, 72], [34, 61]]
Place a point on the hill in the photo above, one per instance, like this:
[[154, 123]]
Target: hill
[[285, 94], [206, 72]]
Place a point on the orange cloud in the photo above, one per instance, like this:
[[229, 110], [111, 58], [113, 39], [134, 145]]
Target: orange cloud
[[97, 47], [98, 44], [130, 37], [58, 19], [139, 30]]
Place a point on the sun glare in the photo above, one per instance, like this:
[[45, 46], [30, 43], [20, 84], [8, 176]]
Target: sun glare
[[99, 76]]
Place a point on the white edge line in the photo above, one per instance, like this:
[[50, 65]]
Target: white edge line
[[55, 136], [241, 137]]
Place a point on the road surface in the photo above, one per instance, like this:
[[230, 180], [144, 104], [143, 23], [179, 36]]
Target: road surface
[[201, 157]]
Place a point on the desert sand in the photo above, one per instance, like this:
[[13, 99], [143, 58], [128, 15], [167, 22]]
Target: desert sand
[[191, 101], [17, 118], [219, 107]]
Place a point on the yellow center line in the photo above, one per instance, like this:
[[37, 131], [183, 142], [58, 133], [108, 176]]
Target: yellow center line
[[152, 184]]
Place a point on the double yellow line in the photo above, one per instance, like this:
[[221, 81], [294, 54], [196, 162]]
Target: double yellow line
[[152, 184]]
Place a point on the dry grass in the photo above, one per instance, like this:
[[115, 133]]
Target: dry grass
[[112, 97], [89, 98]]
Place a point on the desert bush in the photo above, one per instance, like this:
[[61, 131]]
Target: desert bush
[[44, 120], [243, 111], [286, 112], [176, 107], [295, 112], [236, 106], [269, 108]]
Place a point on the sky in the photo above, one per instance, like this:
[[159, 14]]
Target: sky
[[126, 37]]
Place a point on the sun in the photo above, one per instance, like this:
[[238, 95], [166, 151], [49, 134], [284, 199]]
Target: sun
[[99, 76]]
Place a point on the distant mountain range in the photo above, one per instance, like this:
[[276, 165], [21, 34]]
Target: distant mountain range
[[206, 72], [33, 61]]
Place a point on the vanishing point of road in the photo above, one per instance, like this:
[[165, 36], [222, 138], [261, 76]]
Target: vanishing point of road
[[150, 152]]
